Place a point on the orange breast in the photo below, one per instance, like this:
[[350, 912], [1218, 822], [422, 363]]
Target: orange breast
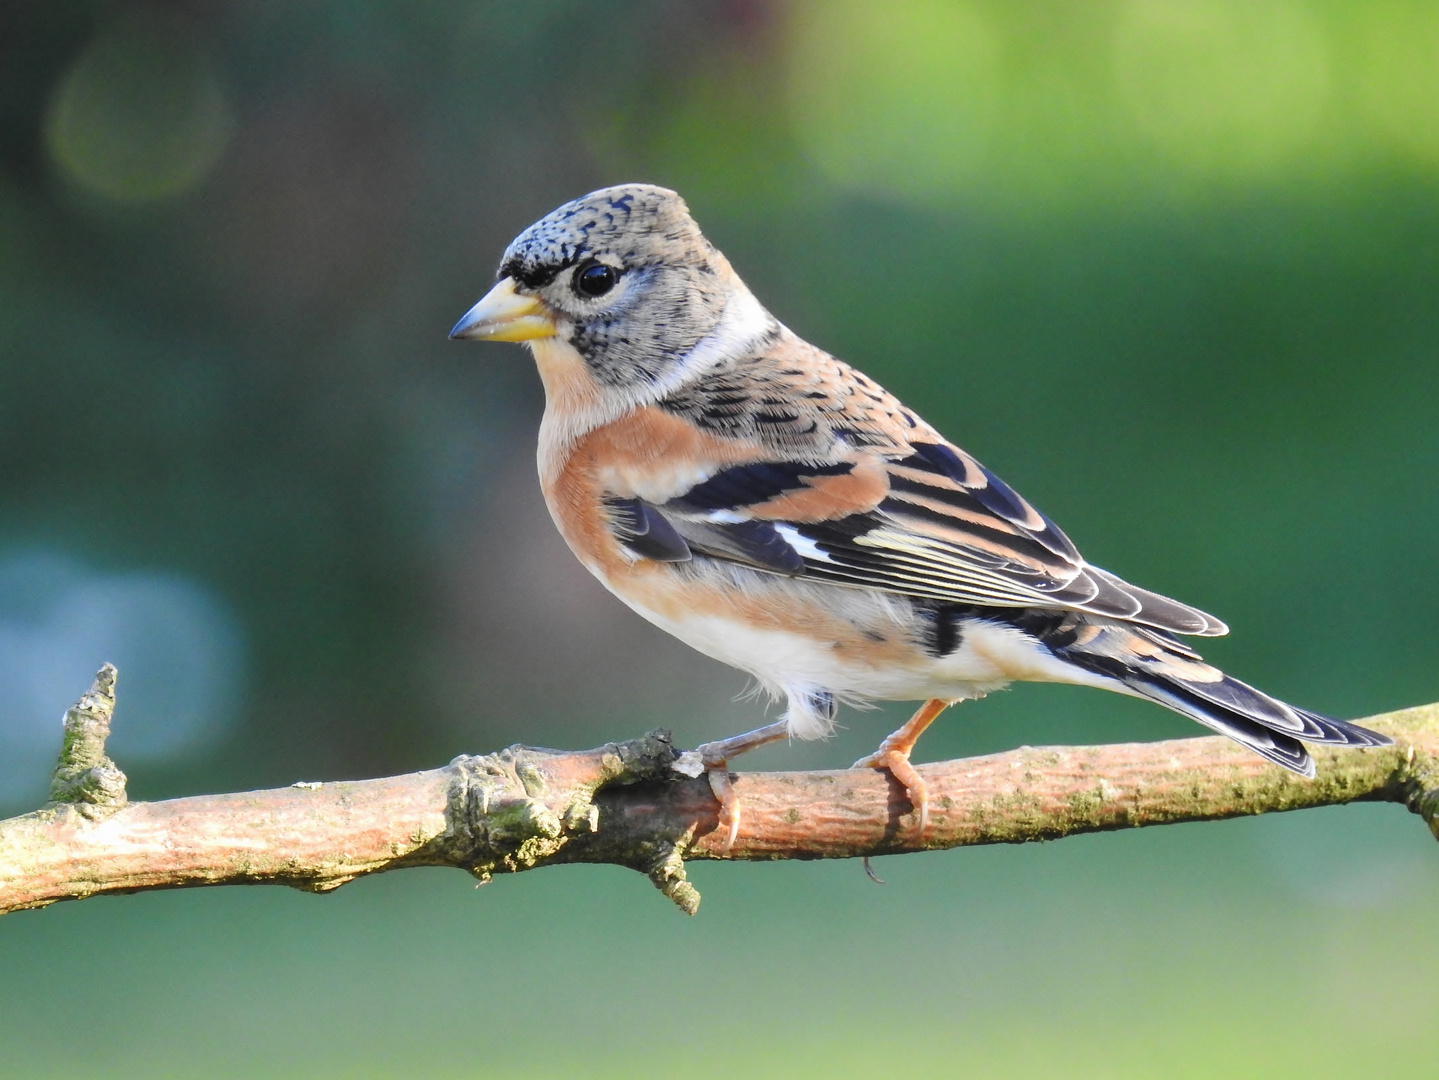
[[600, 462], [645, 454]]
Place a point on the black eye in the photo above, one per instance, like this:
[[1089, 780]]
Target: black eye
[[595, 279]]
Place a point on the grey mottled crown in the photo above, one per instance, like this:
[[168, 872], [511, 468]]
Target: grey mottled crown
[[639, 224]]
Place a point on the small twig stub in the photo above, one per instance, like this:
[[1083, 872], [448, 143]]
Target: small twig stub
[[84, 776]]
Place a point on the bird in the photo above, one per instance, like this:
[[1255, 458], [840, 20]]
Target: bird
[[778, 510]]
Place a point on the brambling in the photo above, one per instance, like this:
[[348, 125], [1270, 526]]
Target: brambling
[[780, 511]]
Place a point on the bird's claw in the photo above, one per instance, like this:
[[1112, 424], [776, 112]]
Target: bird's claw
[[896, 762], [712, 759], [717, 772]]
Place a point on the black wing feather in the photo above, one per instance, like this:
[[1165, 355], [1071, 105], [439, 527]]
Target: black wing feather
[[755, 543], [750, 485], [645, 531]]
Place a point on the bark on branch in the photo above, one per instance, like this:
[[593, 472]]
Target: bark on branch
[[622, 803]]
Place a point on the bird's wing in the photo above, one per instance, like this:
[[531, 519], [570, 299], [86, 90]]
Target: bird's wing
[[942, 528], [852, 488]]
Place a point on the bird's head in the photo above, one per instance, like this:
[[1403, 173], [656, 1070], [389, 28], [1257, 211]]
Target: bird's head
[[625, 276]]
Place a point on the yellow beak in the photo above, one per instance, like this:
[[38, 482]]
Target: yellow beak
[[505, 315]]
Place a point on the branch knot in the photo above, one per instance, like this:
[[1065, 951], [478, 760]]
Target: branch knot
[[517, 808]]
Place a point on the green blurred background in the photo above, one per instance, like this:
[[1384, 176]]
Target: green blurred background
[[1170, 266]]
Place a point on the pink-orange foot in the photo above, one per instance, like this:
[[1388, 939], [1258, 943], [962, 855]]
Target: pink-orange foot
[[713, 760], [897, 764], [893, 756]]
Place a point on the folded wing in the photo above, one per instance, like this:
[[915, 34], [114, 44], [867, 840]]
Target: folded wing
[[930, 522]]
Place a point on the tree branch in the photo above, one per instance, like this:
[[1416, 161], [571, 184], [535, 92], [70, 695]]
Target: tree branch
[[622, 803]]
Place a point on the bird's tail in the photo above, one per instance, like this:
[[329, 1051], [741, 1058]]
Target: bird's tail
[[1152, 664]]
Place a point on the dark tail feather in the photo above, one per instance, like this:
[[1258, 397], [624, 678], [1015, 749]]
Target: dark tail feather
[[1264, 724], [1155, 665]]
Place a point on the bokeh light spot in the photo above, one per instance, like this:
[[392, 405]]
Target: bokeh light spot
[[895, 99], [178, 647], [1228, 89], [142, 114]]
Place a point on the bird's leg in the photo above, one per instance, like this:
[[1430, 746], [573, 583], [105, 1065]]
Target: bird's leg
[[713, 759], [893, 754]]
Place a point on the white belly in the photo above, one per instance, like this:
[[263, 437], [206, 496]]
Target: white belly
[[793, 665]]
